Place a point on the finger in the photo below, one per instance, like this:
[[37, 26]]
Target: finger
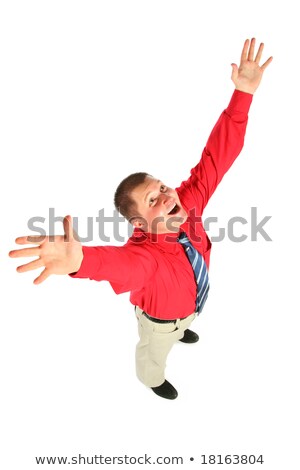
[[38, 263], [25, 252], [245, 50], [259, 52], [70, 233], [42, 277], [33, 240], [68, 228], [265, 65], [251, 49], [234, 72]]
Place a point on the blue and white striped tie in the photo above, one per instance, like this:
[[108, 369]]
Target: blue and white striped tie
[[200, 271]]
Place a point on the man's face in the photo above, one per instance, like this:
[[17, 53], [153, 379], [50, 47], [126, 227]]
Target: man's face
[[159, 207]]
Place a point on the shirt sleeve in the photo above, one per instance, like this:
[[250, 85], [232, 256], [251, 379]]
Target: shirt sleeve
[[125, 268], [223, 146]]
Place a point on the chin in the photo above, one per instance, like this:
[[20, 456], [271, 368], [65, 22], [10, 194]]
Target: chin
[[181, 215], [175, 221]]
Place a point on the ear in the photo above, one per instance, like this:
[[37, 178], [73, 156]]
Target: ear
[[138, 223]]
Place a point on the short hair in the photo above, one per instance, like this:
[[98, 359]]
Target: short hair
[[123, 200]]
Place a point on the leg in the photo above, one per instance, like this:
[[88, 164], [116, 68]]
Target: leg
[[156, 341]]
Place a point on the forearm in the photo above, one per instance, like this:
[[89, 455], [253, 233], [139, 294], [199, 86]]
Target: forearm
[[124, 269], [227, 137]]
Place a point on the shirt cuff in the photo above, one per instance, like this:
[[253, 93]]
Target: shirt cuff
[[89, 263], [240, 102]]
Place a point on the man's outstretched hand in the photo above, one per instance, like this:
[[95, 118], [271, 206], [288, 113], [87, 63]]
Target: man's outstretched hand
[[248, 75], [59, 254]]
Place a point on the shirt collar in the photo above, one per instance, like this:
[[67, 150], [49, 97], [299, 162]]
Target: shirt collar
[[167, 242]]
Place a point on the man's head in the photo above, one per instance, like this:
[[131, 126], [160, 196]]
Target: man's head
[[149, 204]]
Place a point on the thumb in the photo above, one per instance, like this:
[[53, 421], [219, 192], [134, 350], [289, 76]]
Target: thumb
[[234, 72], [70, 233]]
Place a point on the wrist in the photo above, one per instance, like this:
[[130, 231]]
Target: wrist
[[76, 266], [245, 90]]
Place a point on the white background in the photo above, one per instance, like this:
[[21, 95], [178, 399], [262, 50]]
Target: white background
[[90, 92]]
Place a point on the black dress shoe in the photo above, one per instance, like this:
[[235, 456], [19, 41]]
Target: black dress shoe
[[166, 390], [189, 337]]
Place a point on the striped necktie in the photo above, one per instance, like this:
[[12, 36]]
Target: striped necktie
[[200, 271]]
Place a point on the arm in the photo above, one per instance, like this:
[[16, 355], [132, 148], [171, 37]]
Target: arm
[[227, 137], [125, 268]]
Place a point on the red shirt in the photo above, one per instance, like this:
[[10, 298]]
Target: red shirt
[[154, 268]]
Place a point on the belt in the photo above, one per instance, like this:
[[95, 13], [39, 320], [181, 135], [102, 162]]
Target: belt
[[159, 320]]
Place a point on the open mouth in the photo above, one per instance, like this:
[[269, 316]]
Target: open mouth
[[174, 209]]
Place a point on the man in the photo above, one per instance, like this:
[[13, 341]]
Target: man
[[165, 263]]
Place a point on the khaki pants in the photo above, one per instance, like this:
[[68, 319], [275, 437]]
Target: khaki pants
[[156, 341]]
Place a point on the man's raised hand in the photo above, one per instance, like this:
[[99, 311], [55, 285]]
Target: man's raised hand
[[59, 254], [248, 75]]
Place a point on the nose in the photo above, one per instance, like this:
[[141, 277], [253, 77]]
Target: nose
[[167, 199]]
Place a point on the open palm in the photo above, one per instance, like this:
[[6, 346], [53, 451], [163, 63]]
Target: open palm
[[248, 75], [59, 254]]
